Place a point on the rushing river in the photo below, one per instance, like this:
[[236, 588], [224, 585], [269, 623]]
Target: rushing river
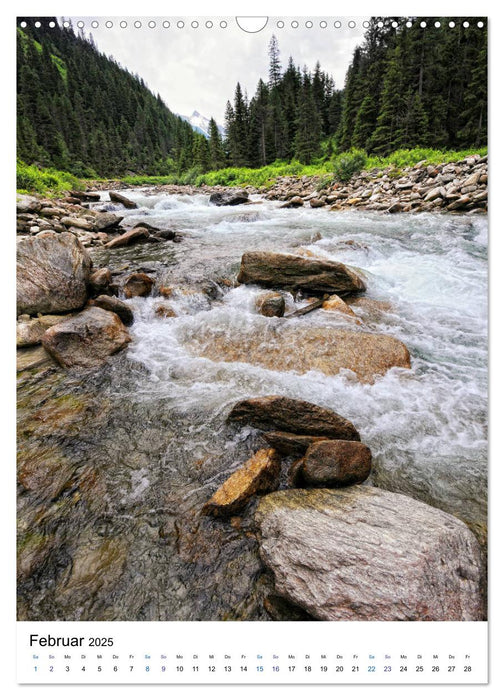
[[141, 444]]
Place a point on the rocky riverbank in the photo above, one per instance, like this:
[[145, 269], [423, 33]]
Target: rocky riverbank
[[460, 186]]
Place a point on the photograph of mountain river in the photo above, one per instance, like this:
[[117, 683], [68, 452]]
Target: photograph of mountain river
[[252, 319]]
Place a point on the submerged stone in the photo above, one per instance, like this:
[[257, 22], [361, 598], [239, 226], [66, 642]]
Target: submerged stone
[[301, 349]]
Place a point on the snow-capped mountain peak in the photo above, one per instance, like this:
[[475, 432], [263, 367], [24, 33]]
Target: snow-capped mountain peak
[[201, 124]]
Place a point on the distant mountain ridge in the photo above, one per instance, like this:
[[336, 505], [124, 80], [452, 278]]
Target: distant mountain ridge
[[201, 124]]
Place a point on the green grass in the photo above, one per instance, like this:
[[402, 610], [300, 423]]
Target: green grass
[[31, 179], [407, 158]]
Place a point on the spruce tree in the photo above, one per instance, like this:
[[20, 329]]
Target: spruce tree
[[216, 148]]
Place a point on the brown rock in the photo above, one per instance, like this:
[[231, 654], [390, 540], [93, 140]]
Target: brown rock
[[87, 339], [52, 273], [336, 303], [293, 203], [100, 280], [294, 416], [116, 306], [32, 357], [297, 272], [121, 199], [317, 203], [165, 311], [270, 304], [336, 463], [86, 196], [260, 474], [301, 349], [459, 203], [79, 223], [138, 285], [30, 332], [134, 235], [290, 443]]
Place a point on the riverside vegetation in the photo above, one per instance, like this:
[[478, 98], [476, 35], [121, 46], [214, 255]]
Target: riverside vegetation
[[230, 399]]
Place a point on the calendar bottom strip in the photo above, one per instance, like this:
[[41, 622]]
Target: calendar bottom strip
[[252, 652]]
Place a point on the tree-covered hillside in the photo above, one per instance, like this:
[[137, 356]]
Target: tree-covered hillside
[[411, 86], [78, 110], [407, 86]]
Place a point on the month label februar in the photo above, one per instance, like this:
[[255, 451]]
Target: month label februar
[[175, 652]]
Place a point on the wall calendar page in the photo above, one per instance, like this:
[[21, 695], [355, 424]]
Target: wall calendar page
[[251, 340]]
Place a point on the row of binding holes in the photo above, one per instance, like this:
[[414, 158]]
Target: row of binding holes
[[223, 24]]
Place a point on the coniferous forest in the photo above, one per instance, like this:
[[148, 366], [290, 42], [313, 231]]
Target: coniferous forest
[[406, 87]]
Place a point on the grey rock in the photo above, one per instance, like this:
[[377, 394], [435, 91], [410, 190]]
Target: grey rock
[[361, 553], [52, 273], [107, 220], [87, 339], [25, 203], [228, 199]]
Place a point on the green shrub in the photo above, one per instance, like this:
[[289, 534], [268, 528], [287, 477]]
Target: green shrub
[[31, 178], [349, 163]]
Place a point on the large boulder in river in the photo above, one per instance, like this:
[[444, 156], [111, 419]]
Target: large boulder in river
[[52, 274], [298, 272], [261, 473], [361, 553], [228, 199], [294, 416], [87, 339], [299, 348]]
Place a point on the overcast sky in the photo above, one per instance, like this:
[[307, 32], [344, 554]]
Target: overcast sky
[[198, 68]]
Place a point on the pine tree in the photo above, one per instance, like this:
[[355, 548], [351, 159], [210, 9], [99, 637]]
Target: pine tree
[[216, 148], [275, 67]]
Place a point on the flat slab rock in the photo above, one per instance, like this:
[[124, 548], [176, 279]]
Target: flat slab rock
[[297, 272], [52, 274], [301, 349], [361, 553], [292, 415], [259, 474]]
